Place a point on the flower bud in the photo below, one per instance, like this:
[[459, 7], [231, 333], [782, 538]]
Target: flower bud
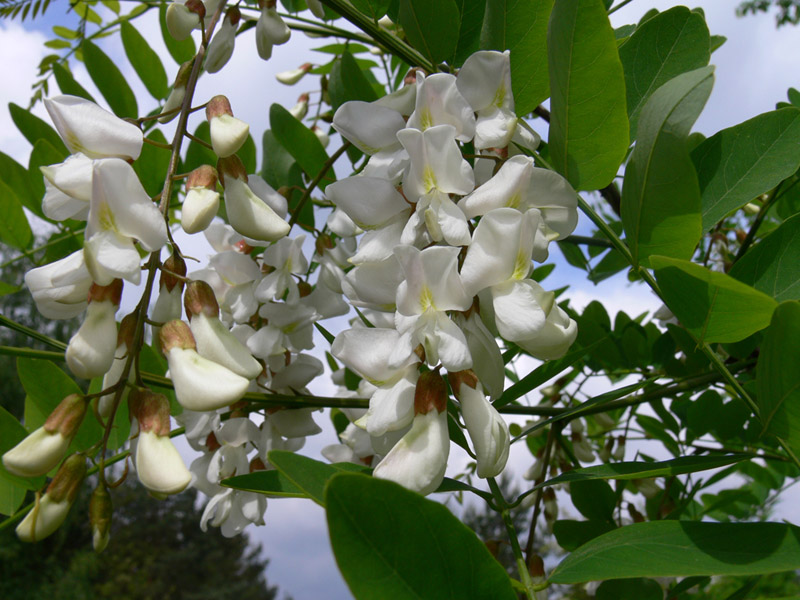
[[90, 352], [43, 449], [293, 76], [127, 331], [582, 448], [182, 19], [321, 136], [648, 487], [159, 466], [222, 44], [316, 8], [200, 384], [228, 133], [300, 110], [270, 30], [430, 393], [619, 451], [487, 429], [248, 214], [100, 511], [178, 93], [200, 300], [51, 509]]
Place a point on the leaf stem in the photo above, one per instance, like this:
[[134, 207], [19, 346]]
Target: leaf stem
[[315, 182]]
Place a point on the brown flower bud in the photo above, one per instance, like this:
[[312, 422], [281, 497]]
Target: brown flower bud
[[460, 378], [112, 291], [127, 330], [174, 264], [536, 566], [68, 479], [151, 410], [231, 166], [200, 299], [176, 334], [197, 7], [430, 393], [218, 106], [67, 417], [234, 15], [204, 176], [304, 288]]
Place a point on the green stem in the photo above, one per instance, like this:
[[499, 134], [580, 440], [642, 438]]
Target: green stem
[[391, 42], [31, 353], [315, 182], [522, 566], [32, 333]]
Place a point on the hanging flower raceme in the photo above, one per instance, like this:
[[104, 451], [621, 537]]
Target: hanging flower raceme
[[220, 49], [42, 450], [52, 508], [159, 466], [418, 461], [90, 351], [200, 384], [270, 29], [247, 213], [120, 212]]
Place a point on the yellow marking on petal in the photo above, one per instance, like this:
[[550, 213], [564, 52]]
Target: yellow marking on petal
[[426, 119], [428, 179], [499, 97], [74, 143], [106, 218], [514, 201], [522, 266], [426, 298]]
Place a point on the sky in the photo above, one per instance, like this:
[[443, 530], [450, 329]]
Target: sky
[[754, 69]]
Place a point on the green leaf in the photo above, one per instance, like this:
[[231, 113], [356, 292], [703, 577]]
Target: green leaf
[[521, 27], [431, 27], [46, 386], [778, 379], [270, 483], [660, 195], [347, 82], [642, 470], [276, 163], [34, 129], [629, 589], [542, 373], [67, 84], [681, 549], [374, 9], [741, 162], [571, 535], [65, 33], [472, 12], [588, 120], [301, 143], [713, 306], [773, 266], [14, 228], [16, 177], [152, 164], [145, 61], [594, 499], [307, 474], [671, 43], [57, 44], [180, 51], [393, 543], [109, 80], [247, 154]]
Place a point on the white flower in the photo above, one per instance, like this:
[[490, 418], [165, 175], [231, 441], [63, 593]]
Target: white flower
[[293, 76], [227, 133], [220, 49], [286, 259], [45, 518], [60, 289], [159, 465], [418, 461], [120, 212], [93, 131], [487, 429], [270, 31], [90, 351], [183, 18], [439, 102]]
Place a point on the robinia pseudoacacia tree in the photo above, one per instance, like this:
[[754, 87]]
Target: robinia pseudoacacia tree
[[422, 225]]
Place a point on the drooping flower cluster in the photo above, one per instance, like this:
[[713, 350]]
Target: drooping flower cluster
[[434, 245], [443, 265]]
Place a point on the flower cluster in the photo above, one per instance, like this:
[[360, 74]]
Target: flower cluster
[[442, 268], [432, 243]]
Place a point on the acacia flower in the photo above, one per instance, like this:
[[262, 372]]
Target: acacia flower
[[201, 203], [90, 351], [220, 49], [60, 289], [227, 133], [270, 29]]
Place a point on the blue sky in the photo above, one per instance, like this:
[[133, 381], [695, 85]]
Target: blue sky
[[754, 69]]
